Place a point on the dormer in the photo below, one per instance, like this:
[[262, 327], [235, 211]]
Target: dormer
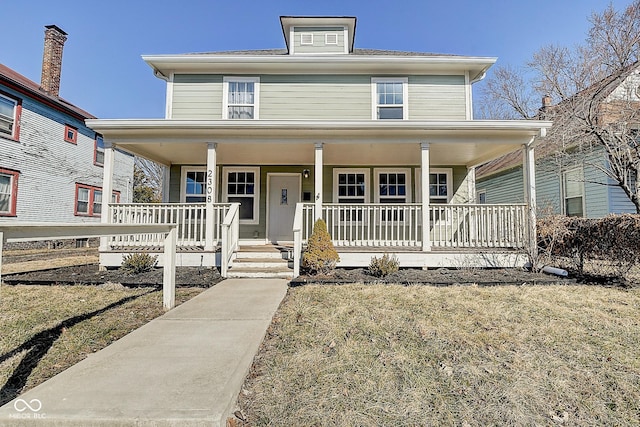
[[318, 35]]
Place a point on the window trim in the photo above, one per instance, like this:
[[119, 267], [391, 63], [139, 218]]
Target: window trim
[[448, 171], [582, 188], [479, 195], [374, 95], [96, 150], [225, 95], [17, 115], [256, 193], [74, 139], [13, 194], [183, 181], [91, 201]]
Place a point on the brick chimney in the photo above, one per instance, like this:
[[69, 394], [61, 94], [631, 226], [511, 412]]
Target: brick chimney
[[54, 39], [546, 101]]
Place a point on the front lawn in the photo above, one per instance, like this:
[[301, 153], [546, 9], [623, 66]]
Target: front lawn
[[461, 355]]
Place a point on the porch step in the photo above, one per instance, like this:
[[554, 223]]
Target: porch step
[[261, 261]]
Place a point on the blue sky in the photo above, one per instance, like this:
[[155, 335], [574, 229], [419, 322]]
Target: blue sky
[[104, 74]]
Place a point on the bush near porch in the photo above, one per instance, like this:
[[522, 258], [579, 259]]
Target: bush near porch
[[607, 247]]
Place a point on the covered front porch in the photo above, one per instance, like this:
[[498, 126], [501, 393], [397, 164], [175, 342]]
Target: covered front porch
[[235, 183]]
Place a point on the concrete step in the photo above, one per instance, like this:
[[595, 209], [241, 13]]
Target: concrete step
[[260, 255], [260, 263], [262, 273]]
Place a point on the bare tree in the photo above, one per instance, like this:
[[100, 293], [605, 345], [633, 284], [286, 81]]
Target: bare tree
[[596, 90], [147, 181]]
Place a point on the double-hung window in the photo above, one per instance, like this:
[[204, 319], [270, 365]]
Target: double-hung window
[[440, 185], [393, 186], [351, 186], [390, 96], [241, 96], [573, 186], [8, 192], [98, 151], [242, 185], [9, 117], [89, 200]]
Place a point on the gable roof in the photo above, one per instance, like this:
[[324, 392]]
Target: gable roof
[[22, 84], [547, 146]]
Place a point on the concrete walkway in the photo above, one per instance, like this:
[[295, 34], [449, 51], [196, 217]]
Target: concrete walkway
[[182, 369]]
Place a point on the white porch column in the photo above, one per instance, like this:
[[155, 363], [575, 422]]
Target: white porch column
[[529, 171], [318, 180], [107, 188], [424, 189], [471, 184], [212, 189]]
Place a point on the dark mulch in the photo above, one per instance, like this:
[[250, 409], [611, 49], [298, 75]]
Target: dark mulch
[[90, 275], [437, 277]]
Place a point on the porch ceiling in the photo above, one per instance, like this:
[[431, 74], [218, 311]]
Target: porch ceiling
[[345, 143]]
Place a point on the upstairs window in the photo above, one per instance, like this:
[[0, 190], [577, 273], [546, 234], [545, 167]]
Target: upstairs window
[[241, 98], [8, 192], [9, 114], [98, 151], [331, 39], [389, 98], [71, 134]]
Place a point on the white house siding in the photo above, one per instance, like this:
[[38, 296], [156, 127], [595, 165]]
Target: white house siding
[[318, 45], [197, 96], [50, 167], [319, 97], [437, 98]]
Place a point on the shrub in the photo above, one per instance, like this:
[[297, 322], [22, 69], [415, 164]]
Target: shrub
[[320, 257], [138, 263], [382, 267]]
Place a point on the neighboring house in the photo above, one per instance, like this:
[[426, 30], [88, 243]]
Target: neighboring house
[[51, 163], [259, 143], [570, 177]]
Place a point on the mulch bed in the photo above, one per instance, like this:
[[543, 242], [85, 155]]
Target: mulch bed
[[90, 275], [437, 277]]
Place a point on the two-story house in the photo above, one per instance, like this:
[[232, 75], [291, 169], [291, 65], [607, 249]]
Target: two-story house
[[379, 143], [51, 163]]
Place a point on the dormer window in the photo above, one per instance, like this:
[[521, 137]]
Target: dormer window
[[331, 39], [306, 39], [241, 98]]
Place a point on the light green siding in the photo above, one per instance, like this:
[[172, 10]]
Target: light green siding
[[197, 96], [315, 97], [319, 45], [437, 97]]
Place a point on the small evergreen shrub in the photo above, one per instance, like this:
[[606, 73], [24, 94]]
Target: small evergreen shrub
[[384, 266], [138, 263], [321, 256]]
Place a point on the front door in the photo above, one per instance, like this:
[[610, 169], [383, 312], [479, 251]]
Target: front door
[[284, 193]]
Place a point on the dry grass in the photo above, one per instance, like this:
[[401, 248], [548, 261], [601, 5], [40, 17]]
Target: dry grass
[[46, 329], [472, 356]]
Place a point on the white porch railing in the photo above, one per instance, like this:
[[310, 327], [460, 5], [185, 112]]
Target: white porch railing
[[479, 226], [451, 226], [230, 235], [190, 218]]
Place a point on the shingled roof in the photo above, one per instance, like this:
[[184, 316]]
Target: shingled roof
[[22, 84]]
